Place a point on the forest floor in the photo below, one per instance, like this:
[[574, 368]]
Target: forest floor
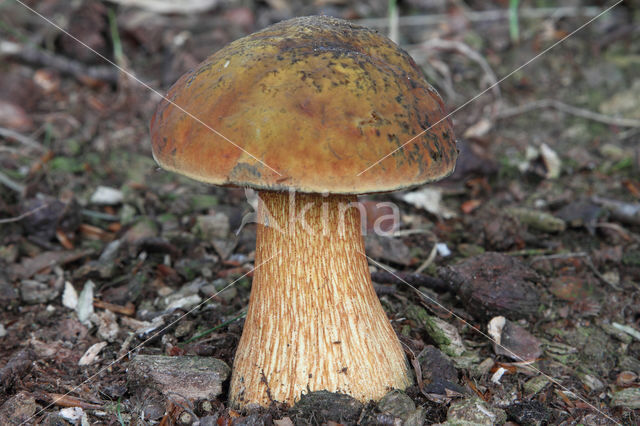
[[105, 257]]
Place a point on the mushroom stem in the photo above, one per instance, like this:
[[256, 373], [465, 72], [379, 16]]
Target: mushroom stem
[[314, 320]]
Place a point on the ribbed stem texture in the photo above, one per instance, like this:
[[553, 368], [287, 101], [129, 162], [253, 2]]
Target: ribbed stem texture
[[314, 321]]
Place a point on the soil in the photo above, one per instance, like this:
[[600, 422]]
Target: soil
[[104, 256]]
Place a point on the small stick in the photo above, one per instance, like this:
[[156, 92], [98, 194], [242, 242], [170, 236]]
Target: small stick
[[63, 64], [569, 109], [25, 140], [484, 16], [129, 309], [11, 184], [465, 50], [430, 258], [70, 401], [414, 279]]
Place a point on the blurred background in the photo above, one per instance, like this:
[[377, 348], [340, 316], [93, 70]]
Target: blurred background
[[98, 246]]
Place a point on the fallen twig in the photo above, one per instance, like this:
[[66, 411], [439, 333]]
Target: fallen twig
[[169, 6], [485, 16], [465, 50], [25, 140], [561, 106], [11, 184], [418, 280], [70, 401], [587, 261], [23, 215], [65, 65], [129, 309], [620, 210]]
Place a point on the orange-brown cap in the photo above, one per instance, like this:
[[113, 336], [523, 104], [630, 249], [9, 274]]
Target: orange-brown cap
[[306, 104]]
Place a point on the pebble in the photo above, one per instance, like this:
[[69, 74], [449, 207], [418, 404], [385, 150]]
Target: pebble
[[398, 404], [628, 398], [191, 377], [107, 196], [474, 411], [18, 409], [212, 226], [513, 341], [34, 292], [443, 333], [75, 415], [531, 413]]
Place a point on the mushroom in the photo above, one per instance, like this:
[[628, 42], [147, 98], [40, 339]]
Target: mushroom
[[301, 111]]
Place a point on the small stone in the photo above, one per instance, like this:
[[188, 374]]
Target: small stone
[[624, 103], [626, 378], [483, 368], [34, 292], [416, 418], [107, 196], [53, 419], [8, 293], [536, 219], [144, 228], [191, 377], [445, 335], [513, 341], [474, 411], [127, 214], [590, 381], [322, 407], [110, 252], [227, 295], [387, 248], [627, 329], [628, 398], [72, 414], [3, 331], [255, 419], [184, 302], [571, 288], [613, 152], [212, 226], [531, 413], [434, 363], [398, 404], [184, 328], [18, 409]]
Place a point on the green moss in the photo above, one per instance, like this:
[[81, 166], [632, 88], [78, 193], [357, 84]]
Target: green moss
[[66, 164], [631, 258], [203, 201]]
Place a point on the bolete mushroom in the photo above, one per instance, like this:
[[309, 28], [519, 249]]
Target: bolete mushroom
[[305, 106]]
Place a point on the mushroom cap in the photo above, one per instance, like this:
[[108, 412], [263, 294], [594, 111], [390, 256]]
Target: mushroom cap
[[307, 105]]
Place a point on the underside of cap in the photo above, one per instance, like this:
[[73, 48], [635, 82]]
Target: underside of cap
[[308, 104]]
